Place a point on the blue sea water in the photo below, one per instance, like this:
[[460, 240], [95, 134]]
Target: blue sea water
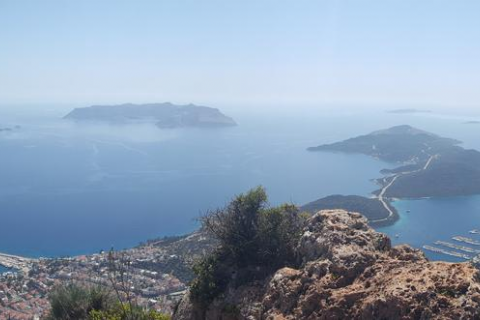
[[69, 189], [422, 222]]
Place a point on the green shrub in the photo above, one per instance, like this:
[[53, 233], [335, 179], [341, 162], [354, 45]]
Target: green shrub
[[279, 230], [125, 312], [74, 302], [254, 239], [236, 225], [212, 278]]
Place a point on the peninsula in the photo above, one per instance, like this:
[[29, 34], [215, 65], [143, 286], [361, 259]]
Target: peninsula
[[377, 212], [429, 165], [163, 115]]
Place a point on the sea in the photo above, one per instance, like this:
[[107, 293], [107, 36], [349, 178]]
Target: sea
[[70, 189]]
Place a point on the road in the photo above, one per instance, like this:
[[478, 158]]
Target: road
[[381, 195]]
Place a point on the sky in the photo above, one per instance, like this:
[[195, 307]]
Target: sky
[[249, 52]]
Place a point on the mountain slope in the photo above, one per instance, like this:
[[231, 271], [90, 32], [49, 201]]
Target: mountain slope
[[349, 271], [396, 144], [432, 166]]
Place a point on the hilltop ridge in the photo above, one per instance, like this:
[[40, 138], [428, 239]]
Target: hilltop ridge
[[349, 271]]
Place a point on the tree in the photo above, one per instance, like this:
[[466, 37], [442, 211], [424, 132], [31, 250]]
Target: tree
[[254, 239], [72, 301], [76, 302], [104, 301]]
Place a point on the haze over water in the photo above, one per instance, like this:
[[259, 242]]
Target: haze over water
[[70, 189]]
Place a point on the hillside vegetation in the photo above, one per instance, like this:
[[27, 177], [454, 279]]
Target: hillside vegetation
[[343, 269], [254, 240]]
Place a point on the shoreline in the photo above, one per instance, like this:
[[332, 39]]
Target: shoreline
[[13, 262], [385, 222]]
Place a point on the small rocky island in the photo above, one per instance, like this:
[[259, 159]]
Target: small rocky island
[[9, 129], [408, 111], [163, 115], [430, 165]]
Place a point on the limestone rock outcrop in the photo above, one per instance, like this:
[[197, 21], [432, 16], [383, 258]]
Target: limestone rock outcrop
[[350, 271]]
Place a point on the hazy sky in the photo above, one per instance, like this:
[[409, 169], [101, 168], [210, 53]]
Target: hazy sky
[[245, 51]]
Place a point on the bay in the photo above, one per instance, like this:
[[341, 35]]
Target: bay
[[68, 189]]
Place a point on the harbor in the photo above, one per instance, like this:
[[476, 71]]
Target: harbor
[[462, 247], [447, 252], [16, 262], [466, 240], [457, 247]]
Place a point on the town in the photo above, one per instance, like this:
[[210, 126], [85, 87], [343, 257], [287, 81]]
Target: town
[[157, 276]]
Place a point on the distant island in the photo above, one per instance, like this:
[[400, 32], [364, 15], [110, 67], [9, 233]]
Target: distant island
[[431, 166], [472, 122], [9, 129], [407, 111], [163, 115], [397, 144], [373, 209]]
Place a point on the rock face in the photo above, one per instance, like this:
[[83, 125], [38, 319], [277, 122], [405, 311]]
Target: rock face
[[350, 271]]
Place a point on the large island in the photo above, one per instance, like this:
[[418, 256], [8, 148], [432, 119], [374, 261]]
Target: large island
[[430, 165], [163, 115]]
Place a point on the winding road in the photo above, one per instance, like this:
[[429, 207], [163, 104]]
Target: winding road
[[381, 196]]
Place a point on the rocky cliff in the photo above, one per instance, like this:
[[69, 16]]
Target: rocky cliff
[[350, 271]]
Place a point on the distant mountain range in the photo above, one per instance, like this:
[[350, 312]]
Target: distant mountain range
[[432, 166], [164, 115]]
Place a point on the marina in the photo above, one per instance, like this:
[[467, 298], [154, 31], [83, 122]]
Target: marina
[[447, 252], [466, 240], [465, 248], [457, 247]]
